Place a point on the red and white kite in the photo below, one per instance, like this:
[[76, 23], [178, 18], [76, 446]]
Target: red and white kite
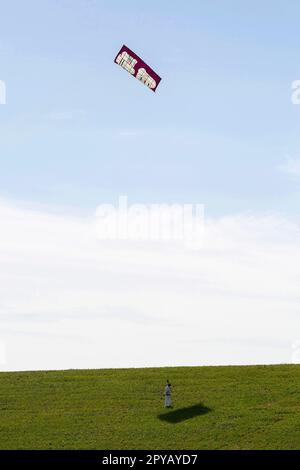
[[137, 67]]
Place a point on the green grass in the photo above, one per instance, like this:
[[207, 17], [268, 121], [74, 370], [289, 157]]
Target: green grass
[[255, 407]]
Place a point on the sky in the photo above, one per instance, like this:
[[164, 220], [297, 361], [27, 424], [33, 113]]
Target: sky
[[77, 132]]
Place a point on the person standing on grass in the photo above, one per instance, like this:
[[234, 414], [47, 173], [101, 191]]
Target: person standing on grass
[[168, 400]]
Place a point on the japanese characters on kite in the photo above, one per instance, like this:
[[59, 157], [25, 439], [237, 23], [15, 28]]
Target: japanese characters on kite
[[129, 61]]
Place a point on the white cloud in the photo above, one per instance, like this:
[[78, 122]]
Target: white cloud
[[70, 300], [66, 115], [130, 132], [291, 166]]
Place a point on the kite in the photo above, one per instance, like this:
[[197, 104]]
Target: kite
[[137, 67]]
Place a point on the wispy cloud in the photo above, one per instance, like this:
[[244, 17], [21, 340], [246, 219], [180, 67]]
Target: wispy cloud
[[291, 166], [65, 115], [75, 301], [131, 132]]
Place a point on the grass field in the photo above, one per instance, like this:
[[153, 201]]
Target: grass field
[[256, 407]]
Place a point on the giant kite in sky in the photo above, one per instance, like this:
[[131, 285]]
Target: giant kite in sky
[[137, 67]]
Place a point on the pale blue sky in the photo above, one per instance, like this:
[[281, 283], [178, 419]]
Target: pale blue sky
[[77, 130]]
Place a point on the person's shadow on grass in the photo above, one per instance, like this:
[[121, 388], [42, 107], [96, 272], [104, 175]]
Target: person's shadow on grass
[[183, 414]]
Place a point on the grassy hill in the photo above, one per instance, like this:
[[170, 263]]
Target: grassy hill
[[214, 408]]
